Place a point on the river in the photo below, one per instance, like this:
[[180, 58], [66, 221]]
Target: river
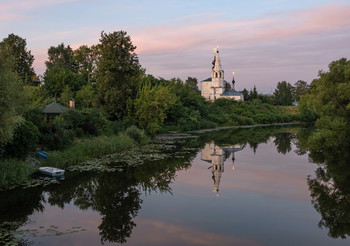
[[231, 187]]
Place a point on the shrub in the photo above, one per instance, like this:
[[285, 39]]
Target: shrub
[[35, 115], [26, 137], [79, 133], [13, 171], [72, 119], [262, 118], [56, 138], [190, 122], [95, 119], [134, 133]]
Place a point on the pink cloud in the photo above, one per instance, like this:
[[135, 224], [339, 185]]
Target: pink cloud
[[168, 38], [11, 17], [29, 4]]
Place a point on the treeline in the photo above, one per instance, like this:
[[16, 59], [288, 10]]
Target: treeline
[[112, 93], [285, 93]]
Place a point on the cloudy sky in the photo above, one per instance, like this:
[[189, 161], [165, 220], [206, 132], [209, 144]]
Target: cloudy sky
[[262, 41]]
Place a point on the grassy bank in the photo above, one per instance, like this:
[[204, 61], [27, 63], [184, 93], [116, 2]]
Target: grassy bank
[[13, 171], [86, 149]]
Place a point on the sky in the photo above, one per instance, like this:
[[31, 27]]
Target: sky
[[262, 41]]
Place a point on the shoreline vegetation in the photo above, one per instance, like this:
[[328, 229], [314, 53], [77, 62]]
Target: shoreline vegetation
[[14, 172], [111, 104]]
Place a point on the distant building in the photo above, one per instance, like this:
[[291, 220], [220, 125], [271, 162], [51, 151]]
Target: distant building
[[52, 110], [36, 82], [216, 87]]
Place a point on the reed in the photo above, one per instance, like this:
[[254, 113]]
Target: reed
[[86, 149], [13, 171]]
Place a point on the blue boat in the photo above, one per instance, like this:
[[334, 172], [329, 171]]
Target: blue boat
[[42, 154], [51, 171]]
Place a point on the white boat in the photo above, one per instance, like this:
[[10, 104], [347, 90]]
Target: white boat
[[51, 171]]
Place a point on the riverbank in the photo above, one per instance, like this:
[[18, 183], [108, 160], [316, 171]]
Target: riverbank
[[14, 172], [244, 127]]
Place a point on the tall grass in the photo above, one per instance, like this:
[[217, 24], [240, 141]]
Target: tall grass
[[13, 171], [86, 149]]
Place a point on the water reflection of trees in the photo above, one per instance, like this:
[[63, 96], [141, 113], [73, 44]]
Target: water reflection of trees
[[330, 189], [283, 142], [283, 137], [116, 196]]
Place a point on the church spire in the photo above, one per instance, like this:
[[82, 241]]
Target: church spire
[[217, 65], [217, 74]]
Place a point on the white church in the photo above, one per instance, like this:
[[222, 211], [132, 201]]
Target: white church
[[216, 87]]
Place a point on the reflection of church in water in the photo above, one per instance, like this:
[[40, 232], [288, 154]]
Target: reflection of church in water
[[217, 157]]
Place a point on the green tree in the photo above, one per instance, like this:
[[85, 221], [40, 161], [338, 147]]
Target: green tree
[[86, 97], [192, 82], [189, 106], [61, 56], [11, 100], [14, 47], [58, 77], [329, 97], [246, 94], [283, 93], [26, 136], [118, 72], [66, 95], [150, 106], [253, 94], [86, 59], [300, 88]]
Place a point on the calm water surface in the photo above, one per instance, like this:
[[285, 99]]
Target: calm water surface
[[227, 188]]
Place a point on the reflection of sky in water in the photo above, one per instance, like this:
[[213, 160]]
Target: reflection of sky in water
[[263, 201]]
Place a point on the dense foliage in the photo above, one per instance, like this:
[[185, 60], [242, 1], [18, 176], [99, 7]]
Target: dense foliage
[[329, 98], [14, 48], [11, 101], [118, 72]]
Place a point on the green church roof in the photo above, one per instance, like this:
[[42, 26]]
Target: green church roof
[[54, 108]]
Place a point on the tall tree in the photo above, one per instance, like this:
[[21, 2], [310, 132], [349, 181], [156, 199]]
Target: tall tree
[[61, 56], [227, 86], [253, 94], [329, 97], [151, 104], [62, 71], [58, 77], [245, 93], [118, 72], [11, 101], [300, 88], [193, 82], [86, 58], [16, 47], [283, 93]]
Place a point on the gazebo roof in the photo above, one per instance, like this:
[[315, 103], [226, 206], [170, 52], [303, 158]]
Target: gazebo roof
[[54, 108]]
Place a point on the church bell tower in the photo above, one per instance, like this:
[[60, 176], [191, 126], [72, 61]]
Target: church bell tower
[[217, 74]]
